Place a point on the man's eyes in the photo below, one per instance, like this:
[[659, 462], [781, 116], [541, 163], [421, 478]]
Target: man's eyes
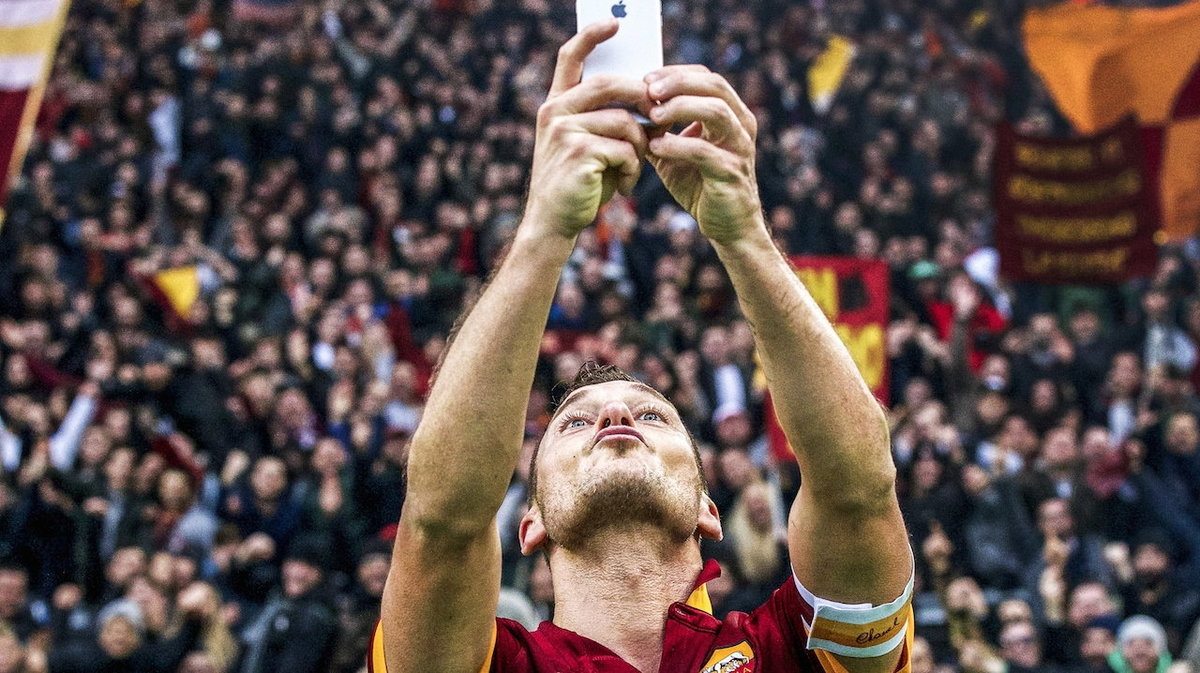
[[581, 419]]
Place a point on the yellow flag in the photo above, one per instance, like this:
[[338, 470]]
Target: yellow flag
[[827, 71], [180, 287]]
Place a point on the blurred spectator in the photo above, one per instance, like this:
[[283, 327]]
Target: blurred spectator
[[121, 642], [1141, 647], [1021, 648], [296, 629]]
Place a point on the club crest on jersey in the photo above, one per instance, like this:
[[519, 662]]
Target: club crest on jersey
[[738, 658]]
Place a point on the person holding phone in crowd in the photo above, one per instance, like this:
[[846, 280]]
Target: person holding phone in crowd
[[618, 502]]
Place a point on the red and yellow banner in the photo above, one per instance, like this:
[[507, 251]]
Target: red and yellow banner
[[854, 294], [1073, 210], [1102, 63], [29, 31]]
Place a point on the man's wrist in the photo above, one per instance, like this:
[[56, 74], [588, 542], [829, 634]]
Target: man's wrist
[[537, 244], [751, 245]]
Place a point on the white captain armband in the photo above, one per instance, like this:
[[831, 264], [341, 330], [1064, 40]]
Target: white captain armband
[[860, 631]]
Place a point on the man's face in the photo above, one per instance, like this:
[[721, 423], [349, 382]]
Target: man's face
[[1140, 654], [1054, 519], [1020, 645], [1088, 601], [1059, 450], [1155, 304], [126, 563], [1097, 643], [174, 490], [299, 578], [269, 478], [119, 638], [617, 454], [1150, 563], [1183, 435]]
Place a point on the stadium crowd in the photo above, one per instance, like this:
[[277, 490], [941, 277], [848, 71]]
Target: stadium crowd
[[214, 490]]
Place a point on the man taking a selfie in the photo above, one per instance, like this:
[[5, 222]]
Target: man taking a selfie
[[618, 499]]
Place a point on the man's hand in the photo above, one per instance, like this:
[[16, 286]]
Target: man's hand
[[708, 166], [584, 150]]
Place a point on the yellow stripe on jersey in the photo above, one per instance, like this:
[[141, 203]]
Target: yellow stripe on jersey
[[700, 600]]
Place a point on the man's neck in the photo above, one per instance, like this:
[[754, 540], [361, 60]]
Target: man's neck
[[617, 590]]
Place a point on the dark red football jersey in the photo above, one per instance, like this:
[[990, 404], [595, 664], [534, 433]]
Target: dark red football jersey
[[771, 639]]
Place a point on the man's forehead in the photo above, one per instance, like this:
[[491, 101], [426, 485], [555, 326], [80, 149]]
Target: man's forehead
[[608, 390]]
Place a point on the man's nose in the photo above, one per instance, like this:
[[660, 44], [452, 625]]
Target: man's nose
[[614, 413]]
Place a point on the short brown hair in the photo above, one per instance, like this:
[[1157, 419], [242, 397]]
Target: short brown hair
[[590, 374]]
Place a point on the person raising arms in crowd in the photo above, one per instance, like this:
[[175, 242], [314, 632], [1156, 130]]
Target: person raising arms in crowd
[[617, 496]]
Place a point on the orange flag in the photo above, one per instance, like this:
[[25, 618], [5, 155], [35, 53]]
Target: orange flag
[[1102, 63], [29, 31]]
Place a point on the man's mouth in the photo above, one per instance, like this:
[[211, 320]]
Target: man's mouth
[[617, 432]]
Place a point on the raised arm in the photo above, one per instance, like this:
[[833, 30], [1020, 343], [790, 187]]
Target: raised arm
[[845, 533], [440, 600]]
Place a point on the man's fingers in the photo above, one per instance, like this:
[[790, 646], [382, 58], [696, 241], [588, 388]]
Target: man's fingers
[[712, 161], [720, 122], [672, 69], [679, 81], [597, 92], [619, 156], [569, 68], [616, 124]]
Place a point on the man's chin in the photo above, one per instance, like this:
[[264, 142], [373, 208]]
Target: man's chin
[[625, 494]]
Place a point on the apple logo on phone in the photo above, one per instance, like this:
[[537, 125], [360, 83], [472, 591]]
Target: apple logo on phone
[[618, 9]]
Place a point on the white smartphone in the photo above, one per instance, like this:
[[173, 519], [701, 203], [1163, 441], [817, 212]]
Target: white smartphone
[[636, 49]]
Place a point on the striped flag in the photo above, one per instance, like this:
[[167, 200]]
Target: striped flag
[[29, 31]]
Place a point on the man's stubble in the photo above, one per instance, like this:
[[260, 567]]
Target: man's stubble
[[616, 498]]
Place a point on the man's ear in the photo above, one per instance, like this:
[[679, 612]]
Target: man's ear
[[531, 532], [709, 525]]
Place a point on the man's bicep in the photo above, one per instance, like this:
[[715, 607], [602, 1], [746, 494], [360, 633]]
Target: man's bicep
[[439, 606]]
